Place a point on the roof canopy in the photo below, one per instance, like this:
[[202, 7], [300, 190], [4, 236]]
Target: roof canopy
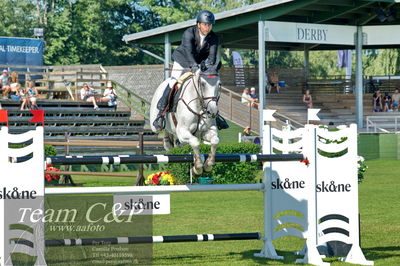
[[237, 28]]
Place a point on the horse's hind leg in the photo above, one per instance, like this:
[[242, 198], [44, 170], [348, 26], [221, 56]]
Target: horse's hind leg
[[186, 136], [212, 137]]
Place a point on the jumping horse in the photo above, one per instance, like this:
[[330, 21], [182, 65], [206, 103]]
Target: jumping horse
[[194, 117]]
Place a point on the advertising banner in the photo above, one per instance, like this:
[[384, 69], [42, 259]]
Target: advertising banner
[[21, 51]]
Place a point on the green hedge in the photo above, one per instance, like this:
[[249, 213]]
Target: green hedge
[[49, 150], [223, 173]]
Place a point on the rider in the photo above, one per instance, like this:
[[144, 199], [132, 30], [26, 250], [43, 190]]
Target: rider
[[199, 44]]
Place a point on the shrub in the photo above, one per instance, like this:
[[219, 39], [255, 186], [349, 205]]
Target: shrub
[[50, 150], [223, 173]]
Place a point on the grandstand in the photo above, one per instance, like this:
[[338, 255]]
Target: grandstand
[[69, 119]]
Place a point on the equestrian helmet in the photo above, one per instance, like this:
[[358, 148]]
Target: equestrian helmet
[[206, 17]]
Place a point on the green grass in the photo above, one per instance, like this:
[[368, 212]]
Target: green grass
[[231, 134], [234, 212]]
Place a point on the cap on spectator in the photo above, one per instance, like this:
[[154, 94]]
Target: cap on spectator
[[109, 84], [5, 70], [253, 89]]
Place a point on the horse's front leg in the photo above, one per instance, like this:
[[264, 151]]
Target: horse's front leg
[[185, 136], [211, 136]]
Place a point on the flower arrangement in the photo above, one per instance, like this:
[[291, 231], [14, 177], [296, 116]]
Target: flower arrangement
[[362, 167], [51, 178], [160, 178]]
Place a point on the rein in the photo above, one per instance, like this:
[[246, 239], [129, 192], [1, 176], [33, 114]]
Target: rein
[[202, 100]]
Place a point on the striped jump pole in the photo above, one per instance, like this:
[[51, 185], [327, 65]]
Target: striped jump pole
[[144, 239], [184, 158]]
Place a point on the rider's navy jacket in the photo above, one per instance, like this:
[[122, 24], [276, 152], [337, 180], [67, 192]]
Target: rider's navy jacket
[[190, 53]]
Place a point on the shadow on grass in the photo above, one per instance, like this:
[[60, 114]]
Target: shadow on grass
[[377, 253], [289, 257]]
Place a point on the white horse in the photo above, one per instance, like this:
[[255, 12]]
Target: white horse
[[194, 117]]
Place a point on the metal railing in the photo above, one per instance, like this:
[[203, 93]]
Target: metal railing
[[384, 124]]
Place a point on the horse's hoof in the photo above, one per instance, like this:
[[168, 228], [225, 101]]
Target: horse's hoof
[[207, 169], [196, 172]]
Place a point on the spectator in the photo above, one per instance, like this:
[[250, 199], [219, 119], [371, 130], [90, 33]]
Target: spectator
[[15, 87], [109, 95], [253, 94], [387, 102], [246, 98], [247, 131], [395, 100], [377, 100], [307, 99], [88, 95], [23, 98], [5, 84], [274, 82], [32, 94]]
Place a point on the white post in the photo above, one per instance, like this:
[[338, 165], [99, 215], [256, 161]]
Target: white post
[[27, 179], [310, 151], [261, 72], [268, 250]]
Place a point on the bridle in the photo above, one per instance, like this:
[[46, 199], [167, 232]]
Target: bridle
[[203, 101]]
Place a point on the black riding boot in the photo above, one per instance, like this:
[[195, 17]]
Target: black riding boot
[[159, 122]]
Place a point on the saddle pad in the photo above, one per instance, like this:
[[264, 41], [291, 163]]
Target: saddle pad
[[183, 78]]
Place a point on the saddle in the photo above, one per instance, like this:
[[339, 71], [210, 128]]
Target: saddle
[[174, 94]]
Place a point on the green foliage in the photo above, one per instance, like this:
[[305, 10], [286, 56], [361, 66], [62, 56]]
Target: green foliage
[[90, 31], [224, 173], [49, 150]]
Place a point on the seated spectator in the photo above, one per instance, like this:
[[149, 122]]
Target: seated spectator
[[15, 87], [24, 99], [253, 94], [247, 131], [88, 95], [307, 99], [395, 100], [377, 101], [5, 84], [246, 134], [109, 95], [387, 102], [274, 82], [32, 93]]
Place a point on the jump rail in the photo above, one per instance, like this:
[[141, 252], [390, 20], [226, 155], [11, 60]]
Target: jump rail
[[145, 239], [185, 158], [155, 189]]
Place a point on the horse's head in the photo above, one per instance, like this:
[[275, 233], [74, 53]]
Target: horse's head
[[209, 84]]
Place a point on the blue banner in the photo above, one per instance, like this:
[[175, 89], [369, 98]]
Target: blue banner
[[20, 51]]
